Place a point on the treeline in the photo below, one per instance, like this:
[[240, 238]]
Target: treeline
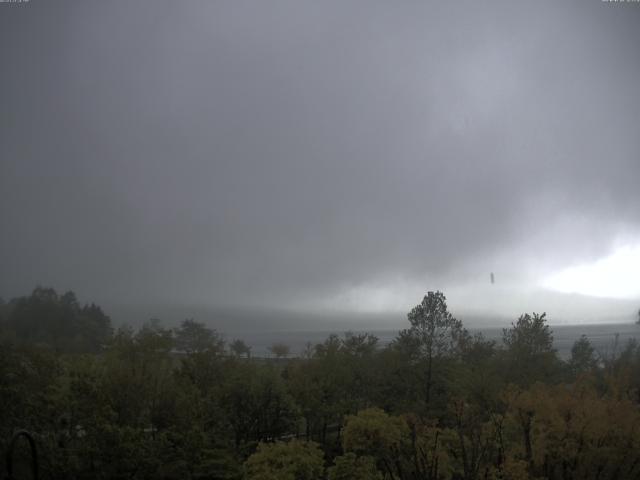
[[436, 403], [58, 321]]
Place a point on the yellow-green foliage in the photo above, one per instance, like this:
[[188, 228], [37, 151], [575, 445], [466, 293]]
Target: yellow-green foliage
[[575, 429], [399, 443], [373, 432], [351, 467], [293, 460]]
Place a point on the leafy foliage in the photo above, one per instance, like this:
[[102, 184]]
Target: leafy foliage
[[193, 337], [530, 355], [433, 341], [437, 403], [351, 467], [293, 460]]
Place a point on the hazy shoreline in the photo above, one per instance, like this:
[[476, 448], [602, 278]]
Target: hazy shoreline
[[602, 336]]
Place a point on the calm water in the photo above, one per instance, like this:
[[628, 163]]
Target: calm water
[[602, 337]]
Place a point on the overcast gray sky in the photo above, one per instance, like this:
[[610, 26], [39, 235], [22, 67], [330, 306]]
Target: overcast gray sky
[[317, 156]]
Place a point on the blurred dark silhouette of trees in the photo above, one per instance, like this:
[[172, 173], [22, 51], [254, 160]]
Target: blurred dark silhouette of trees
[[239, 348], [194, 336], [529, 353], [280, 350], [583, 357], [58, 321]]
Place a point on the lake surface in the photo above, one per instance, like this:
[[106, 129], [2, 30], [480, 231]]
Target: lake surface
[[605, 338]]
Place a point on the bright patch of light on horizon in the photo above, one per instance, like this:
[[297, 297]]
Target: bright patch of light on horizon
[[615, 276]]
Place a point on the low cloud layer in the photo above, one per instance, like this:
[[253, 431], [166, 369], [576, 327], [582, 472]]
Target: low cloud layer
[[309, 156]]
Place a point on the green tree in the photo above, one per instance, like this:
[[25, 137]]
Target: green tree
[[256, 404], [477, 379], [359, 344], [138, 376], [530, 335], [403, 447], [474, 443], [46, 318], [27, 388], [583, 356], [321, 387], [280, 350], [239, 348], [360, 359], [351, 467], [434, 335], [194, 336], [572, 432], [293, 460], [374, 433], [530, 355]]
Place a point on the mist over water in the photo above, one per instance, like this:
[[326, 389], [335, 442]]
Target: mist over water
[[607, 339]]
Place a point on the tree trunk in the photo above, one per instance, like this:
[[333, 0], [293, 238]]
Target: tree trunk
[[428, 380]]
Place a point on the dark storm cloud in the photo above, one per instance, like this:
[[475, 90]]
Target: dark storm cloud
[[257, 153]]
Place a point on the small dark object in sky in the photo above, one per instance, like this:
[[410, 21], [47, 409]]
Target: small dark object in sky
[[493, 280]]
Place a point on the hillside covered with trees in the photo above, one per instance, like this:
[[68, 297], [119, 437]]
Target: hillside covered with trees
[[437, 403]]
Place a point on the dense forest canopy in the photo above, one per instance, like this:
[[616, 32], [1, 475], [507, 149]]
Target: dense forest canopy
[[437, 403]]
